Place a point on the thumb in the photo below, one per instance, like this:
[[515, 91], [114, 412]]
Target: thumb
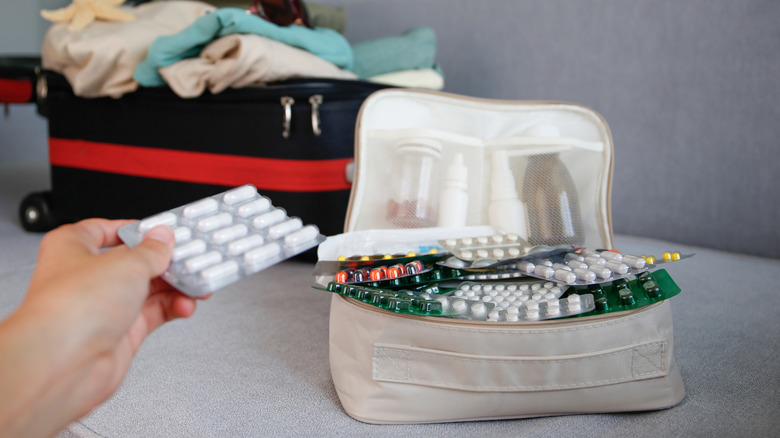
[[155, 250]]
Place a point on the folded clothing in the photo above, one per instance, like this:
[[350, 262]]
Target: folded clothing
[[245, 60], [100, 60], [427, 78], [415, 49], [164, 51]]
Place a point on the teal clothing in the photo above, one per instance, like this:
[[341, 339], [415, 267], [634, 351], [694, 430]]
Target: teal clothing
[[415, 49], [166, 50]]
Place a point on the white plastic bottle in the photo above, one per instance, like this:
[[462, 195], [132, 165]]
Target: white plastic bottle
[[505, 211], [454, 197]]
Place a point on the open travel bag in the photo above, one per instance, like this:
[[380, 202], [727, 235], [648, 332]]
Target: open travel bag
[[411, 150]]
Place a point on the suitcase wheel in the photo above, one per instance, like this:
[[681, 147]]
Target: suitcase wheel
[[35, 212]]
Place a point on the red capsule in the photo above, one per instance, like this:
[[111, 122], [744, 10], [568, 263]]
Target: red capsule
[[377, 274], [414, 267], [342, 277], [393, 272]]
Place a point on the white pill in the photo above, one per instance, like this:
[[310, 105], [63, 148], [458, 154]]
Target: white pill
[[601, 271], [595, 261], [511, 287], [486, 298], [549, 285], [578, 264], [513, 310], [445, 302], [585, 274], [512, 237], [166, 218], [302, 236], [526, 267], [198, 263], [510, 299], [536, 286], [262, 254], [494, 315], [482, 253], [214, 222], [470, 293], [620, 268], [199, 208], [524, 287], [279, 230], [460, 306], [553, 310], [466, 255], [478, 287], [479, 310], [450, 243], [497, 238], [230, 233], [182, 234], [240, 194], [544, 271], [482, 240], [544, 262], [254, 207], [188, 249], [467, 241], [498, 299], [574, 301], [512, 318], [513, 252], [459, 293], [220, 271], [531, 314], [532, 305], [634, 261], [573, 256], [498, 253], [267, 219], [561, 266], [556, 291], [241, 246], [549, 296], [611, 255], [536, 297]]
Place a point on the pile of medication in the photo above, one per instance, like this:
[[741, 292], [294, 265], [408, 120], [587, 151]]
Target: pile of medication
[[224, 238], [501, 279]]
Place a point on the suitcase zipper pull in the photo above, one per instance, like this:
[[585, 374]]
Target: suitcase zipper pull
[[287, 103], [315, 101]]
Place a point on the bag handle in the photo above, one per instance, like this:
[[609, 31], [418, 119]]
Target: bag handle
[[443, 369]]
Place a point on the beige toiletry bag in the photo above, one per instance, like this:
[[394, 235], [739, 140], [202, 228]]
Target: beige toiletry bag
[[541, 170]]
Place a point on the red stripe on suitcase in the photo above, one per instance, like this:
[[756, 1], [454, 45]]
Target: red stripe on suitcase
[[199, 167], [15, 91]]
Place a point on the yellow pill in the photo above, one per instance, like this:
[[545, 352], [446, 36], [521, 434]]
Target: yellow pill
[[387, 256], [650, 260], [433, 251], [365, 258], [667, 257], [676, 256], [342, 258], [411, 254]]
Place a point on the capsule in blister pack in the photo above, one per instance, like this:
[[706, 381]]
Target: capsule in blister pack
[[583, 267], [225, 237], [525, 301]]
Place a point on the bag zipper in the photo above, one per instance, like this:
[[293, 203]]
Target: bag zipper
[[287, 102], [524, 324]]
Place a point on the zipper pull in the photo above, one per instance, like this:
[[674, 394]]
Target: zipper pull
[[315, 102], [287, 103]]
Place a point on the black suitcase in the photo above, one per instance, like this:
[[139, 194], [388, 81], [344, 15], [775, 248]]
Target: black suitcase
[[151, 150]]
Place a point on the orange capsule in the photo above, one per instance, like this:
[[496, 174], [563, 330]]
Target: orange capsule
[[377, 274], [342, 277]]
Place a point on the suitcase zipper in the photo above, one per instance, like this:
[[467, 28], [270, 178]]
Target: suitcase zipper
[[527, 324], [315, 101], [287, 102]]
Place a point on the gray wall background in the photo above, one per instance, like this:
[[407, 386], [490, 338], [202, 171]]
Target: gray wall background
[[690, 89]]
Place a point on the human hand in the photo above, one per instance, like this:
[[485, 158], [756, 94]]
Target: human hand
[[91, 303]]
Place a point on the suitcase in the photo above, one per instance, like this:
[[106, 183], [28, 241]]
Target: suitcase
[[151, 150], [395, 366]]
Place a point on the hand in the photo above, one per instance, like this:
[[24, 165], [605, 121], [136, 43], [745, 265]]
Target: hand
[[91, 303]]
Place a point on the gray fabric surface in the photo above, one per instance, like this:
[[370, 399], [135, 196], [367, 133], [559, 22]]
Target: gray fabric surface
[[253, 361]]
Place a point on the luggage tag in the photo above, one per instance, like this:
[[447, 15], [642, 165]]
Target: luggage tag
[[224, 238]]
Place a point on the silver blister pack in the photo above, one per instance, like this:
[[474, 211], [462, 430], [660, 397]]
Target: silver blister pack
[[224, 238]]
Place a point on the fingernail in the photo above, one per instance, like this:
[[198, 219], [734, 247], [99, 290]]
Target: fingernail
[[161, 234]]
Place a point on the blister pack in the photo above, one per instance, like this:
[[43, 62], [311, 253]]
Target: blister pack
[[526, 301], [225, 237], [583, 267]]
